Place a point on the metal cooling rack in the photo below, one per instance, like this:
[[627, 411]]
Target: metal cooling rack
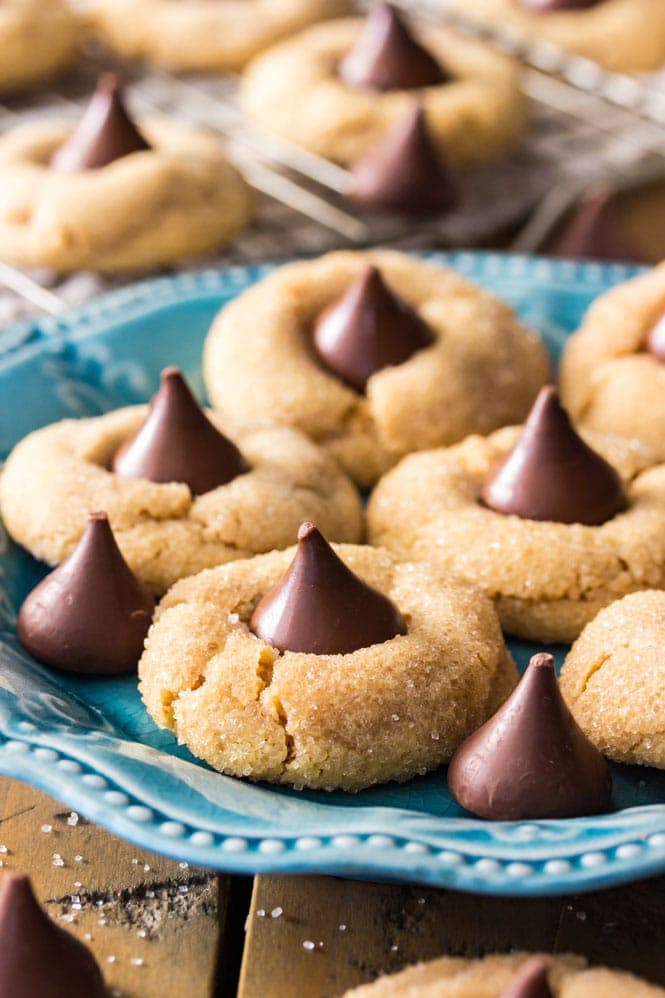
[[588, 126]]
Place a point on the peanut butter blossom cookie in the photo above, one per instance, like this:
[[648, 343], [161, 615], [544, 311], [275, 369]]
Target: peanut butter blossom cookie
[[613, 367], [614, 677], [622, 35], [339, 87], [372, 355], [180, 495], [324, 667], [535, 516], [513, 975], [38, 38], [109, 196], [201, 35]]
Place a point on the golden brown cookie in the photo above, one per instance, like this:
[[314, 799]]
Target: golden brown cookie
[[57, 476], [623, 35], [197, 35], [483, 369], [609, 380], [459, 977], [38, 38], [614, 677], [294, 89], [547, 579], [380, 713], [178, 199]]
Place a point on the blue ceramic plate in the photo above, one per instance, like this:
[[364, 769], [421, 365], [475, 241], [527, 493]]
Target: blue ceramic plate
[[91, 744]]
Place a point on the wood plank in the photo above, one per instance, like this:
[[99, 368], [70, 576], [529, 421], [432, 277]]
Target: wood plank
[[153, 924], [387, 927]]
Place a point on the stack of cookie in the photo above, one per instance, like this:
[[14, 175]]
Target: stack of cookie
[[337, 664]]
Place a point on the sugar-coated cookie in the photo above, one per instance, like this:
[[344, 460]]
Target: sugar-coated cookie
[[179, 198], [623, 35], [197, 35], [384, 712], [612, 377], [481, 370], [295, 89], [459, 977], [547, 579], [58, 475], [614, 676], [38, 38]]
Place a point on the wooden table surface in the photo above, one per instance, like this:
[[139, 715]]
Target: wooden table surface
[[161, 929]]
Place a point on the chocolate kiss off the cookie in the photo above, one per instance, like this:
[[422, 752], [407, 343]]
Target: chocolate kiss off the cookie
[[552, 474], [38, 959], [320, 606], [655, 343], [531, 759], [387, 57], [546, 5], [594, 231], [406, 171], [178, 443], [90, 615], [367, 329], [531, 981], [105, 132]]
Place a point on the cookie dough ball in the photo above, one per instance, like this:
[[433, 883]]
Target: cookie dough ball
[[57, 475], [482, 370], [547, 579], [38, 38], [610, 381], [178, 199], [458, 977], [622, 35], [294, 89], [384, 712], [197, 35], [614, 680]]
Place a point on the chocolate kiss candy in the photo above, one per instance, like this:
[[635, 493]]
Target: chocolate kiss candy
[[178, 443], [367, 329], [531, 981], [547, 5], [594, 232], [552, 474], [104, 133], [405, 172], [320, 606], [656, 339], [90, 615], [38, 959], [387, 57], [531, 760]]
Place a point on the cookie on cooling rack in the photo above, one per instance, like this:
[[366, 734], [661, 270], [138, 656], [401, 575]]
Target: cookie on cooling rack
[[550, 526], [38, 38], [338, 88], [107, 196], [373, 355], [613, 680], [613, 367], [324, 667], [196, 35], [514, 975], [621, 35], [180, 494]]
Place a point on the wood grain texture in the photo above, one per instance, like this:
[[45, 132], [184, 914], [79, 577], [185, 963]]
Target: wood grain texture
[[153, 924], [361, 930]]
